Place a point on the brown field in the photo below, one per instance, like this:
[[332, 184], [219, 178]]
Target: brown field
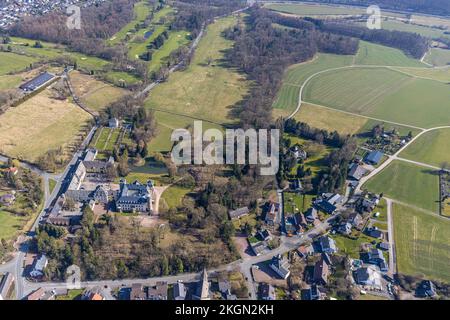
[[38, 125], [94, 93]]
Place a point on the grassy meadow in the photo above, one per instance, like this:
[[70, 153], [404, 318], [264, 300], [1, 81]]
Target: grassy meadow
[[422, 243], [408, 183], [432, 148], [438, 57], [206, 91], [12, 62]]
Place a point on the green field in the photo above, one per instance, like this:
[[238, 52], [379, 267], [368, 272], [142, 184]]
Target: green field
[[294, 201], [314, 10], [11, 62], [374, 54], [432, 148], [167, 123], [296, 75], [10, 224], [382, 93], [438, 74], [407, 183], [330, 120], [174, 195], [203, 88], [9, 82], [422, 243], [438, 57], [409, 27]]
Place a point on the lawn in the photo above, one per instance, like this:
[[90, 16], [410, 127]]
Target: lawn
[[296, 75], [382, 93], [330, 120], [374, 54], [167, 123], [174, 195], [40, 124], [71, 295], [422, 243], [9, 81], [432, 147], [12, 62], [294, 203], [438, 57], [52, 184], [203, 88], [350, 246], [10, 224], [408, 183]]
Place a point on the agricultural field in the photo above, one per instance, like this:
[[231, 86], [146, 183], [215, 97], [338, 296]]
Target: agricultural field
[[94, 93], [203, 86], [374, 54], [422, 243], [305, 9], [296, 75], [40, 124], [438, 74], [432, 148], [438, 57], [399, 25], [12, 62], [408, 183], [329, 119], [382, 93]]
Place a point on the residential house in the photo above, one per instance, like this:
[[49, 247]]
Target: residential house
[[325, 206], [137, 292], [327, 245], [39, 267], [374, 157], [356, 172], [426, 289], [37, 294], [258, 248], [384, 246], [238, 213], [280, 265], [90, 154], [312, 293], [374, 232], [264, 235], [94, 294], [225, 290], [272, 213], [355, 219], [311, 215], [368, 276], [179, 291], [321, 272], [158, 292], [345, 228], [376, 257], [296, 185], [267, 291], [202, 292]]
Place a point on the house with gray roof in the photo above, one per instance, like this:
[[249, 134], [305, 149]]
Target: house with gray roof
[[280, 265], [135, 197], [238, 213]]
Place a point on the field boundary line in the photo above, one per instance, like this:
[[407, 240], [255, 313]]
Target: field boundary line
[[411, 206]]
